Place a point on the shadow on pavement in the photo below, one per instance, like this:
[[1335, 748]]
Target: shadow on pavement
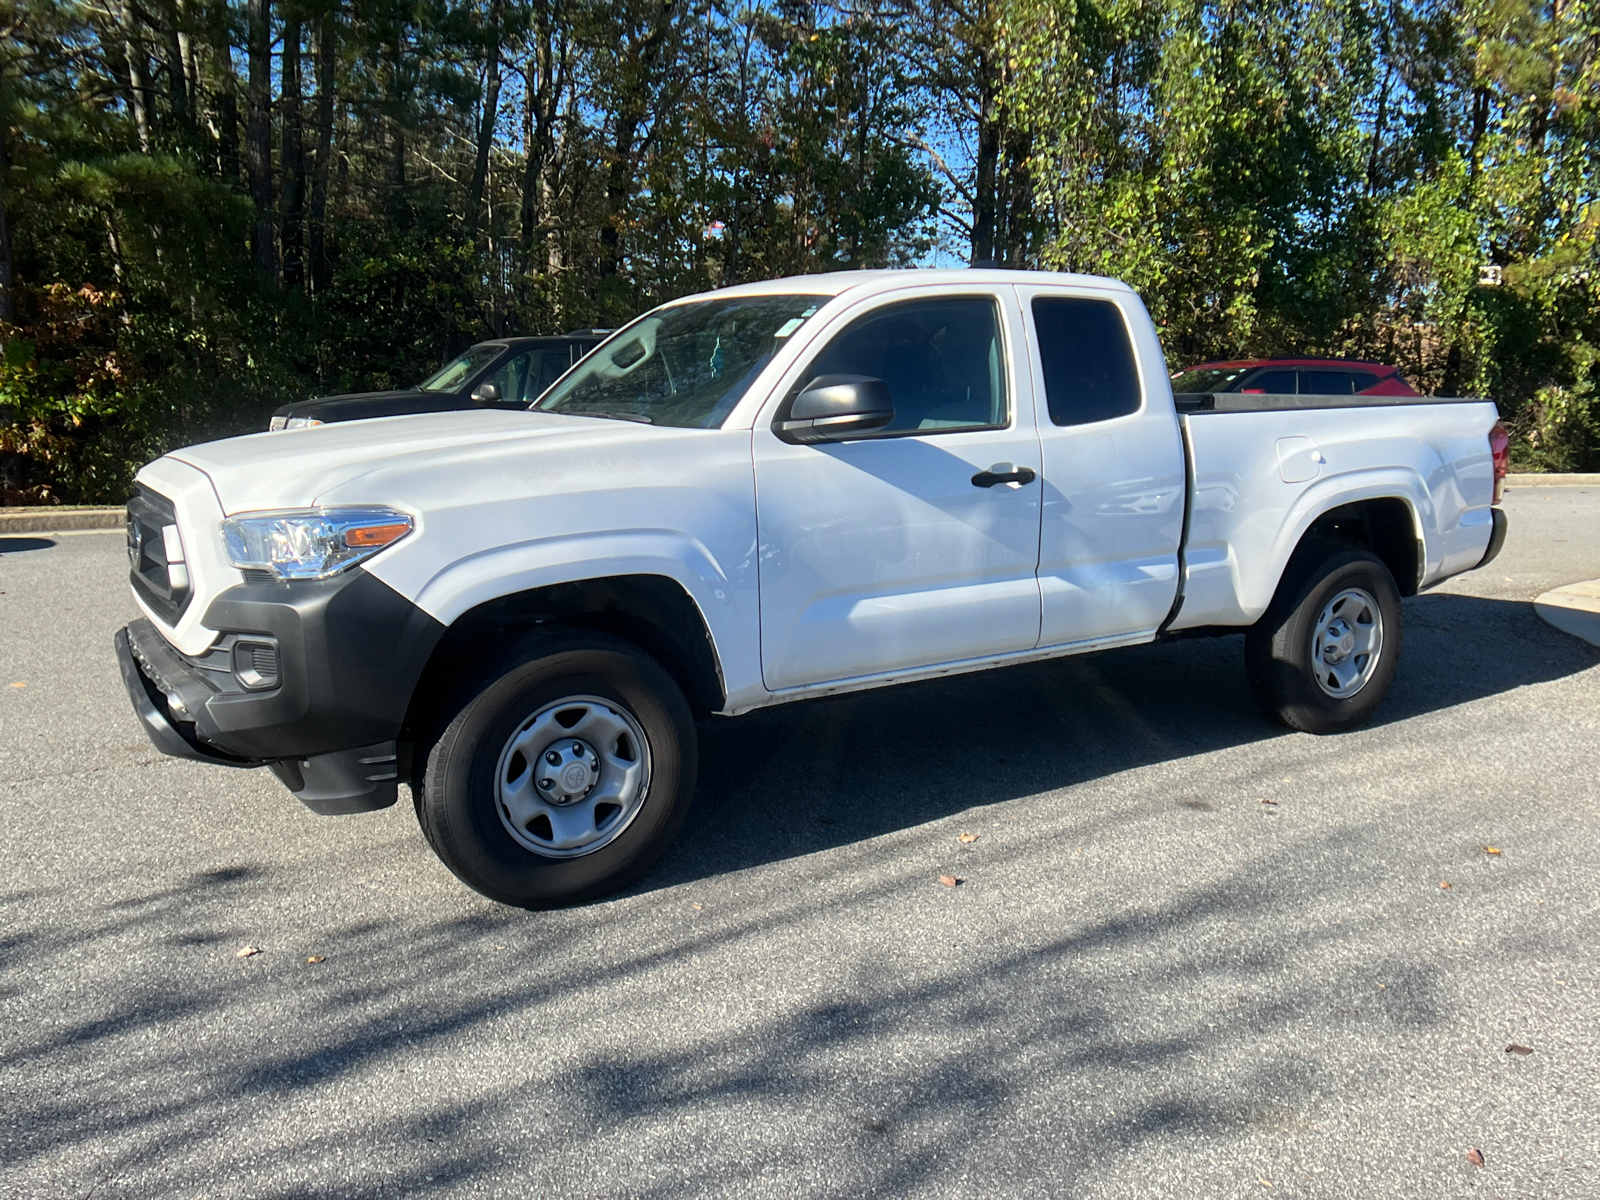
[[230, 1046], [811, 776], [888, 1074], [16, 545]]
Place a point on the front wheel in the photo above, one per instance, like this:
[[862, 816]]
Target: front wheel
[[1324, 654], [564, 777]]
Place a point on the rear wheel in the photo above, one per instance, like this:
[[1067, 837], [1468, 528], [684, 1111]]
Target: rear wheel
[[1324, 654], [564, 777]]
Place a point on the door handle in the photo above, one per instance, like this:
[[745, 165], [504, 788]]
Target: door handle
[[1003, 473]]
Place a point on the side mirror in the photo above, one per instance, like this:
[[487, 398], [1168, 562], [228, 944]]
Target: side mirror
[[486, 393], [835, 407]]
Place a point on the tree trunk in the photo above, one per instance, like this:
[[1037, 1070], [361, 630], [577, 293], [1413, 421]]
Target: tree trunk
[[544, 76], [293, 153], [177, 77], [1380, 130], [632, 109], [327, 63], [258, 135], [986, 181], [8, 283], [138, 77], [228, 131], [191, 72], [397, 131], [486, 126], [533, 158], [1019, 192], [1480, 126]]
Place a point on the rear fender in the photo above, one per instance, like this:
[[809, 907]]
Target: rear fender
[[1257, 581]]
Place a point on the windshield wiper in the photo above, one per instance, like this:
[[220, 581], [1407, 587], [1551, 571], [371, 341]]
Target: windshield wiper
[[640, 418]]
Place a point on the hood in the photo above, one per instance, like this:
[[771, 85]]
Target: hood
[[375, 404], [389, 394], [297, 468]]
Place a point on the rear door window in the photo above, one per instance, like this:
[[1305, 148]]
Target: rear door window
[[1273, 383], [544, 368], [1090, 373], [1327, 383]]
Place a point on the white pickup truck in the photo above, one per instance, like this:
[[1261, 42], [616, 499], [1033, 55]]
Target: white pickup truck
[[762, 494]]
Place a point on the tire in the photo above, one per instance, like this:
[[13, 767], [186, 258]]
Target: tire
[[1324, 654], [563, 778]]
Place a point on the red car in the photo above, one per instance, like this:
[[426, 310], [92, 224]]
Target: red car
[[1294, 376]]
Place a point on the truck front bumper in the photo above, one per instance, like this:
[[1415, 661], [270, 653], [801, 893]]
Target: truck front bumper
[[311, 679]]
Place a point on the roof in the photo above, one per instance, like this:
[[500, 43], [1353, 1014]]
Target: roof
[[835, 283], [1248, 363]]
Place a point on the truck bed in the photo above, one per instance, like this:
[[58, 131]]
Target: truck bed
[[1262, 467]]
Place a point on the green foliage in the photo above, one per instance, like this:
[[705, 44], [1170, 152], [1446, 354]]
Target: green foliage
[[1333, 178], [1310, 177]]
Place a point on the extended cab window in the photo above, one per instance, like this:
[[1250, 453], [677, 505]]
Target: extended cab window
[[1272, 383], [1089, 369], [942, 360], [1327, 383]]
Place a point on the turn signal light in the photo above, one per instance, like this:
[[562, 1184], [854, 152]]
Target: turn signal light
[[367, 536]]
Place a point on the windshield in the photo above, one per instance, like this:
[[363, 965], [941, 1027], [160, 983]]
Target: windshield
[[452, 376], [1207, 379], [685, 365]]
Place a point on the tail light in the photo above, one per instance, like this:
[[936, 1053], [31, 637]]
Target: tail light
[[1500, 448]]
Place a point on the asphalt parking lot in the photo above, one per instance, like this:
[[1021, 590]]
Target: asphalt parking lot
[[1193, 955]]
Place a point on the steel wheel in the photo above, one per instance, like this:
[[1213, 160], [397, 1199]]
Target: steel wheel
[[572, 777], [1347, 643], [1324, 653]]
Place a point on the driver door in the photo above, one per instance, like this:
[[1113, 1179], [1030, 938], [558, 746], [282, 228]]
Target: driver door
[[893, 551]]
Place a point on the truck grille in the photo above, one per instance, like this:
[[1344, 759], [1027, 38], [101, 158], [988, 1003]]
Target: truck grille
[[160, 583]]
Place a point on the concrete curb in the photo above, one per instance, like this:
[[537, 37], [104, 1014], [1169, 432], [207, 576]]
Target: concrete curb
[[1573, 609], [1531, 479], [63, 519]]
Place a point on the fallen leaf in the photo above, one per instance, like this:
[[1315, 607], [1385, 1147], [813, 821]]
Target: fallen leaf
[[1491, 849], [1516, 1049], [1445, 884], [1263, 1182], [245, 952], [315, 958], [19, 685], [699, 907], [1475, 1157], [968, 838], [950, 880]]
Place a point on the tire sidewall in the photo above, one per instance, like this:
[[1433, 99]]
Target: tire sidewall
[[1281, 652], [459, 808]]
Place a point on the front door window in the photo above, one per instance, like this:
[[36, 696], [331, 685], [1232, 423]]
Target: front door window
[[898, 550]]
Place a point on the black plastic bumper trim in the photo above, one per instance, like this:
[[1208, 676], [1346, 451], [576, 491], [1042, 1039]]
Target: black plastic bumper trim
[[349, 653], [151, 706], [347, 781], [1497, 537]]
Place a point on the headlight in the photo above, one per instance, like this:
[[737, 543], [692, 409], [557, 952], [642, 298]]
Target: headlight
[[301, 422], [277, 423], [311, 543]]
